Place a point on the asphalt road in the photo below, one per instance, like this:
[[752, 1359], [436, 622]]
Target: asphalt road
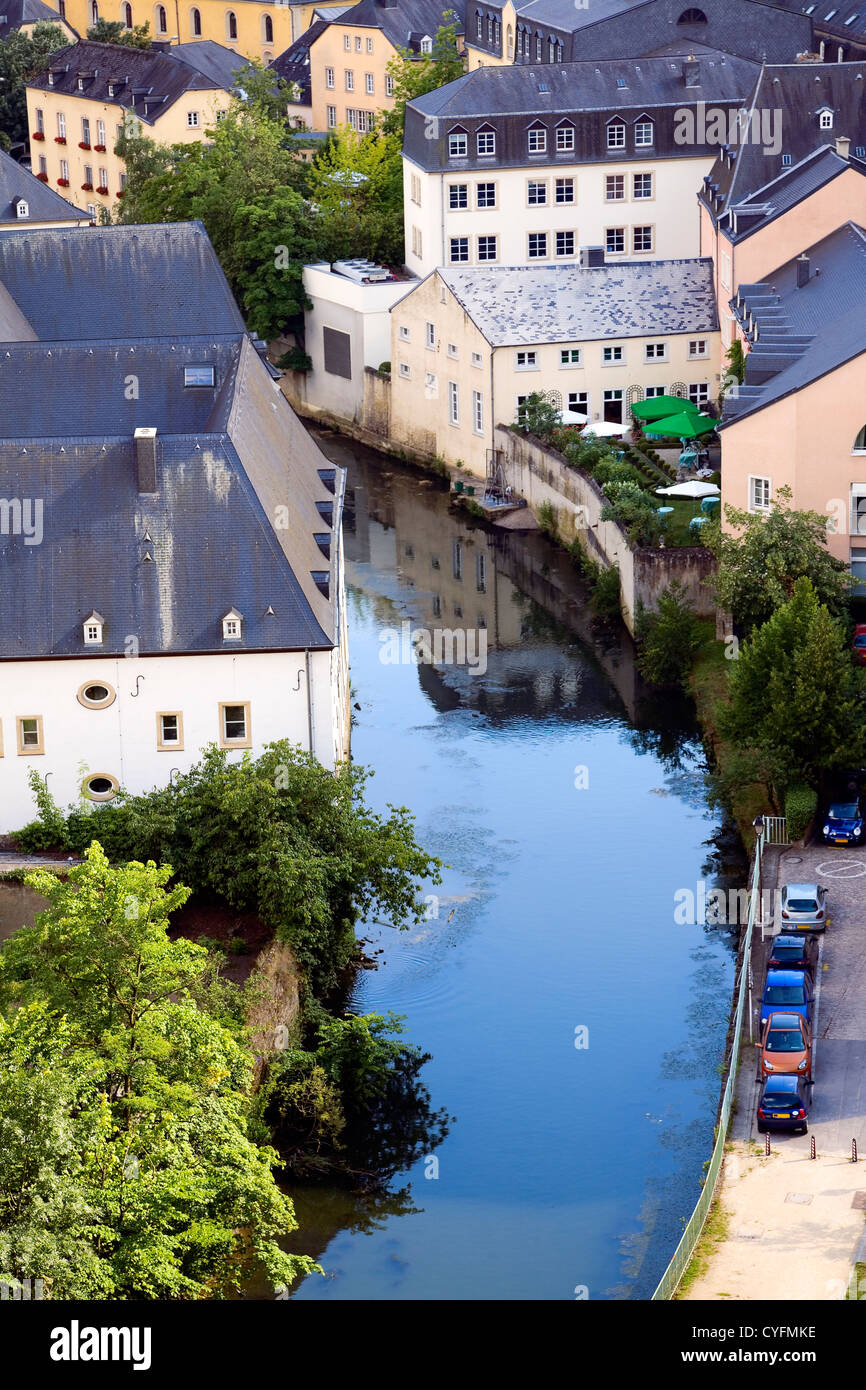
[[838, 1112]]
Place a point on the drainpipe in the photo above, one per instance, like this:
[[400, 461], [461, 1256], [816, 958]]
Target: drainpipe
[[492, 407], [310, 730], [443, 261]]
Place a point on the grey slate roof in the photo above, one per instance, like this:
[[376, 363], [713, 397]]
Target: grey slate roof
[[45, 205], [118, 283], [515, 305], [216, 63], [234, 520], [293, 64], [784, 192], [20, 12], [405, 22], [803, 333]]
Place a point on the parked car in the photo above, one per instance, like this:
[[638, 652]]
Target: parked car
[[790, 991], [786, 1046], [784, 1104], [858, 646], [803, 907], [843, 824], [794, 953]]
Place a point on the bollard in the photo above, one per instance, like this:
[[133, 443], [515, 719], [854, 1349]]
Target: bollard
[[766, 1144], [812, 1147], [853, 1150]]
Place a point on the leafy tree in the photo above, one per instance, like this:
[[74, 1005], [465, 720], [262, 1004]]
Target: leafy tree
[[22, 57], [126, 1167], [634, 510], [356, 190], [304, 850], [795, 698], [761, 557], [669, 639], [538, 415], [415, 74], [112, 31], [243, 185]]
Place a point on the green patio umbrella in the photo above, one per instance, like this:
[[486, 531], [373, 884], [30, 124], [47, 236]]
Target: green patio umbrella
[[682, 426], [657, 407]]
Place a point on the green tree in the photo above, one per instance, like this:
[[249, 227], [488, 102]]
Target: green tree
[[356, 190], [415, 74], [243, 184], [23, 57], [795, 697], [112, 31], [126, 1166], [668, 639], [761, 557], [538, 415]]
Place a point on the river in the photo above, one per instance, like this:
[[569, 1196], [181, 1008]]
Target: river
[[575, 1028]]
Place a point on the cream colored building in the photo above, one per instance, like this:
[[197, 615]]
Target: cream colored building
[[468, 346], [77, 109]]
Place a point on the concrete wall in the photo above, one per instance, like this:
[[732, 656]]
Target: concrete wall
[[543, 477]]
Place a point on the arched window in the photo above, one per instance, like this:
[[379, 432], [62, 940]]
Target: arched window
[[538, 42], [231, 25], [267, 29], [860, 441], [692, 17], [94, 12], [840, 54], [127, 16], [509, 39], [195, 23], [161, 20]]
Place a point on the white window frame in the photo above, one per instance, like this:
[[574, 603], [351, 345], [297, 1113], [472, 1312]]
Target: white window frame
[[477, 413], [766, 491], [454, 404], [616, 128], [529, 362]]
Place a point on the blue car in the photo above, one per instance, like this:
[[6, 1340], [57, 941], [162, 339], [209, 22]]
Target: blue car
[[790, 990], [844, 824], [784, 1104]]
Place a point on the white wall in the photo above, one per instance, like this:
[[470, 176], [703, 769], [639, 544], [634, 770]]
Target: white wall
[[121, 740]]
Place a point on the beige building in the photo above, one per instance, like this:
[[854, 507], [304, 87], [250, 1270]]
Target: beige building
[[799, 421], [468, 347], [76, 110]]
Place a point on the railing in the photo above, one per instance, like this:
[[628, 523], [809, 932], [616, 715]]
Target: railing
[[670, 1280], [776, 830]]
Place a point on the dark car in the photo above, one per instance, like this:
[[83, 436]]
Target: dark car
[[843, 823], [858, 646], [790, 990], [788, 952], [784, 1104]]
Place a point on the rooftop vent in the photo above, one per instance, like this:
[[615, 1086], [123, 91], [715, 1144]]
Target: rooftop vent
[[803, 271], [145, 459], [362, 272], [590, 256]]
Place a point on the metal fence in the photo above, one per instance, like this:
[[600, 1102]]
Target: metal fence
[[776, 830], [669, 1281]]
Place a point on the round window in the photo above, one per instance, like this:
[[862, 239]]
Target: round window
[[96, 695], [100, 786]]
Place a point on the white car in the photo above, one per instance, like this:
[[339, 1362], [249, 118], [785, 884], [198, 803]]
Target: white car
[[803, 907]]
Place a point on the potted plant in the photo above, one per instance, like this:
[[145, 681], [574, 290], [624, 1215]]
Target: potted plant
[[62, 183], [60, 139], [38, 135], [83, 145]]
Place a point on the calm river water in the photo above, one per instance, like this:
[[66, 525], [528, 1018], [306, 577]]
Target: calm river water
[[569, 808]]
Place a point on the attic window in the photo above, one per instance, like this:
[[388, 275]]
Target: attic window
[[93, 626], [111, 89], [202, 375], [232, 626], [860, 151], [825, 120], [786, 160], [22, 208]]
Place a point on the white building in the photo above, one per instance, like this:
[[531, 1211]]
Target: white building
[[170, 536]]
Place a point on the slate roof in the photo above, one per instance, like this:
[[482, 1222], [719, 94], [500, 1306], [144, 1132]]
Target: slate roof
[[147, 81], [807, 332], [238, 506], [784, 192], [20, 12], [293, 65], [515, 305], [403, 23], [793, 92], [118, 283], [45, 205]]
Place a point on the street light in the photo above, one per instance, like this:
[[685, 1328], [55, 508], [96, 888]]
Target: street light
[[758, 826]]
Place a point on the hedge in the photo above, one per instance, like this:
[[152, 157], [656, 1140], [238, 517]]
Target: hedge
[[801, 803]]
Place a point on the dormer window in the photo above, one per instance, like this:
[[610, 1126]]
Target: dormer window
[[93, 626], [232, 626], [111, 89], [22, 208], [825, 119], [616, 135], [643, 133], [458, 144]]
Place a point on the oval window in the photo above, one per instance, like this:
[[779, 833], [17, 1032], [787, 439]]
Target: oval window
[[100, 786], [96, 695]]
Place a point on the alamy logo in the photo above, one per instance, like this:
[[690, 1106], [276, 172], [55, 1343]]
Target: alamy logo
[[444, 646], [719, 125], [22, 516], [77, 1343]]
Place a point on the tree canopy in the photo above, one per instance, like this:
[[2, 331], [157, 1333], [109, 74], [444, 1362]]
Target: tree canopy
[[22, 56], [356, 193], [415, 74], [112, 31]]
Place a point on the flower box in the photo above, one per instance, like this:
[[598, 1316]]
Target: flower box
[[120, 194], [100, 148], [38, 135], [62, 183], [60, 139], [43, 178], [83, 145], [101, 188], [87, 188]]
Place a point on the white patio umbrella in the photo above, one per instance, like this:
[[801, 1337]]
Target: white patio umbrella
[[692, 489], [573, 417], [605, 429]]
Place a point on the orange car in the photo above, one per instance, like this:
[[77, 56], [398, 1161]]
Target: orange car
[[786, 1046]]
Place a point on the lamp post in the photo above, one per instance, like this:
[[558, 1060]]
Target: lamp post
[[758, 827]]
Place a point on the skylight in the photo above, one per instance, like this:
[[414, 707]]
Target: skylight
[[199, 375]]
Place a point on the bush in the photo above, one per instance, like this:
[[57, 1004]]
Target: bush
[[538, 415], [611, 470], [295, 360], [384, 368], [547, 520], [49, 831], [801, 803], [605, 600], [633, 509], [669, 639]]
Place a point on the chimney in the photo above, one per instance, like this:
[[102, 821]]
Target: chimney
[[803, 267], [145, 459], [692, 71], [843, 145], [590, 256]]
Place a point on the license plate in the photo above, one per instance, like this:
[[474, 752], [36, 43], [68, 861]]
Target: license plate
[[785, 1115]]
